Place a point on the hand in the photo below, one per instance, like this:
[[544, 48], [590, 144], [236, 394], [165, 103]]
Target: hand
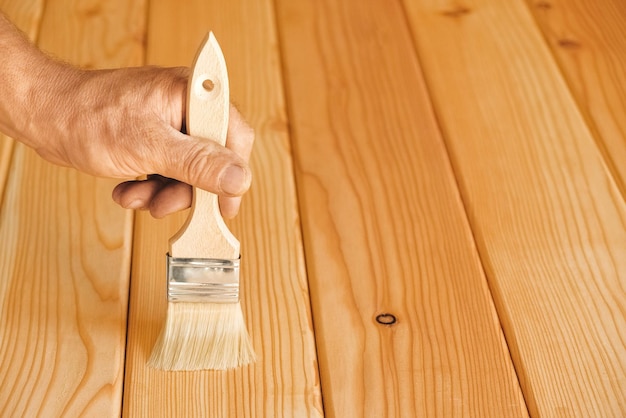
[[126, 123]]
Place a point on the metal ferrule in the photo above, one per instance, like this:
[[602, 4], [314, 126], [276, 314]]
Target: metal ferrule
[[202, 280]]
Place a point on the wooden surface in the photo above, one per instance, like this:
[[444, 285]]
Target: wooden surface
[[588, 40], [6, 152], [374, 175], [459, 166], [64, 257], [284, 381], [548, 220]]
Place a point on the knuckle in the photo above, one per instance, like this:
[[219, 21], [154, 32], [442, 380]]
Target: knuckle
[[202, 168]]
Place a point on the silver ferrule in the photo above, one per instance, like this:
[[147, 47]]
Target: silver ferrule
[[202, 280]]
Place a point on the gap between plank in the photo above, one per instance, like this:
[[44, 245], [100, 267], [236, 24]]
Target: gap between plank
[[294, 161], [461, 195], [594, 132]]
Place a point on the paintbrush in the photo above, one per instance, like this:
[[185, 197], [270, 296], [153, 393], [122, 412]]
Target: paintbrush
[[204, 326]]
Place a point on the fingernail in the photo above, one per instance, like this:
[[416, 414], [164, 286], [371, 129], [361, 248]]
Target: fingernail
[[233, 180]]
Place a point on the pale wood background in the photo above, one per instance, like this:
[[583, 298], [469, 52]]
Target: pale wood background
[[459, 165]]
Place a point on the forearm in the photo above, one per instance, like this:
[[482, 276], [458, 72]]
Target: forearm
[[27, 77]]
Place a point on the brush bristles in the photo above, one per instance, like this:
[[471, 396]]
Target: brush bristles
[[202, 336]]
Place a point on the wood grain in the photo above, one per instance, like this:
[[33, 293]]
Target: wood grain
[[547, 216], [65, 253], [6, 151], [284, 381], [25, 14], [385, 231], [529, 118], [588, 40]]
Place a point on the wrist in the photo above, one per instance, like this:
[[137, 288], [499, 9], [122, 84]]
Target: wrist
[[16, 79], [30, 87], [49, 97]]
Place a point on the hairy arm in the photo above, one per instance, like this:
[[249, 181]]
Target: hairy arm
[[19, 72]]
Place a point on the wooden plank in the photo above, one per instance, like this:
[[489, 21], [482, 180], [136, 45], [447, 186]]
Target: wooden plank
[[65, 257], [384, 227], [589, 41], [284, 382], [549, 220]]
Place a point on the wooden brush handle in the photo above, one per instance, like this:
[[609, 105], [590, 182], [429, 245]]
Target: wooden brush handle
[[205, 235]]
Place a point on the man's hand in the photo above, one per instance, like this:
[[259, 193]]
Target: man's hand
[[122, 123], [125, 123]]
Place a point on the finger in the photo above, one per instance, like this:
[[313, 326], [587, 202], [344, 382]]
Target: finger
[[175, 196], [177, 94], [240, 136], [201, 163], [137, 194], [229, 206]]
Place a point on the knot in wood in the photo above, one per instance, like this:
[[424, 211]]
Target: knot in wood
[[543, 5], [569, 43], [457, 12], [386, 319]]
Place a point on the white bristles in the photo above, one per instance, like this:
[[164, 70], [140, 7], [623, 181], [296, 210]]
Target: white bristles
[[202, 336]]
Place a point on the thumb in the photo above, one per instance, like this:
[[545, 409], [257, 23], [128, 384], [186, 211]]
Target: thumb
[[205, 164]]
